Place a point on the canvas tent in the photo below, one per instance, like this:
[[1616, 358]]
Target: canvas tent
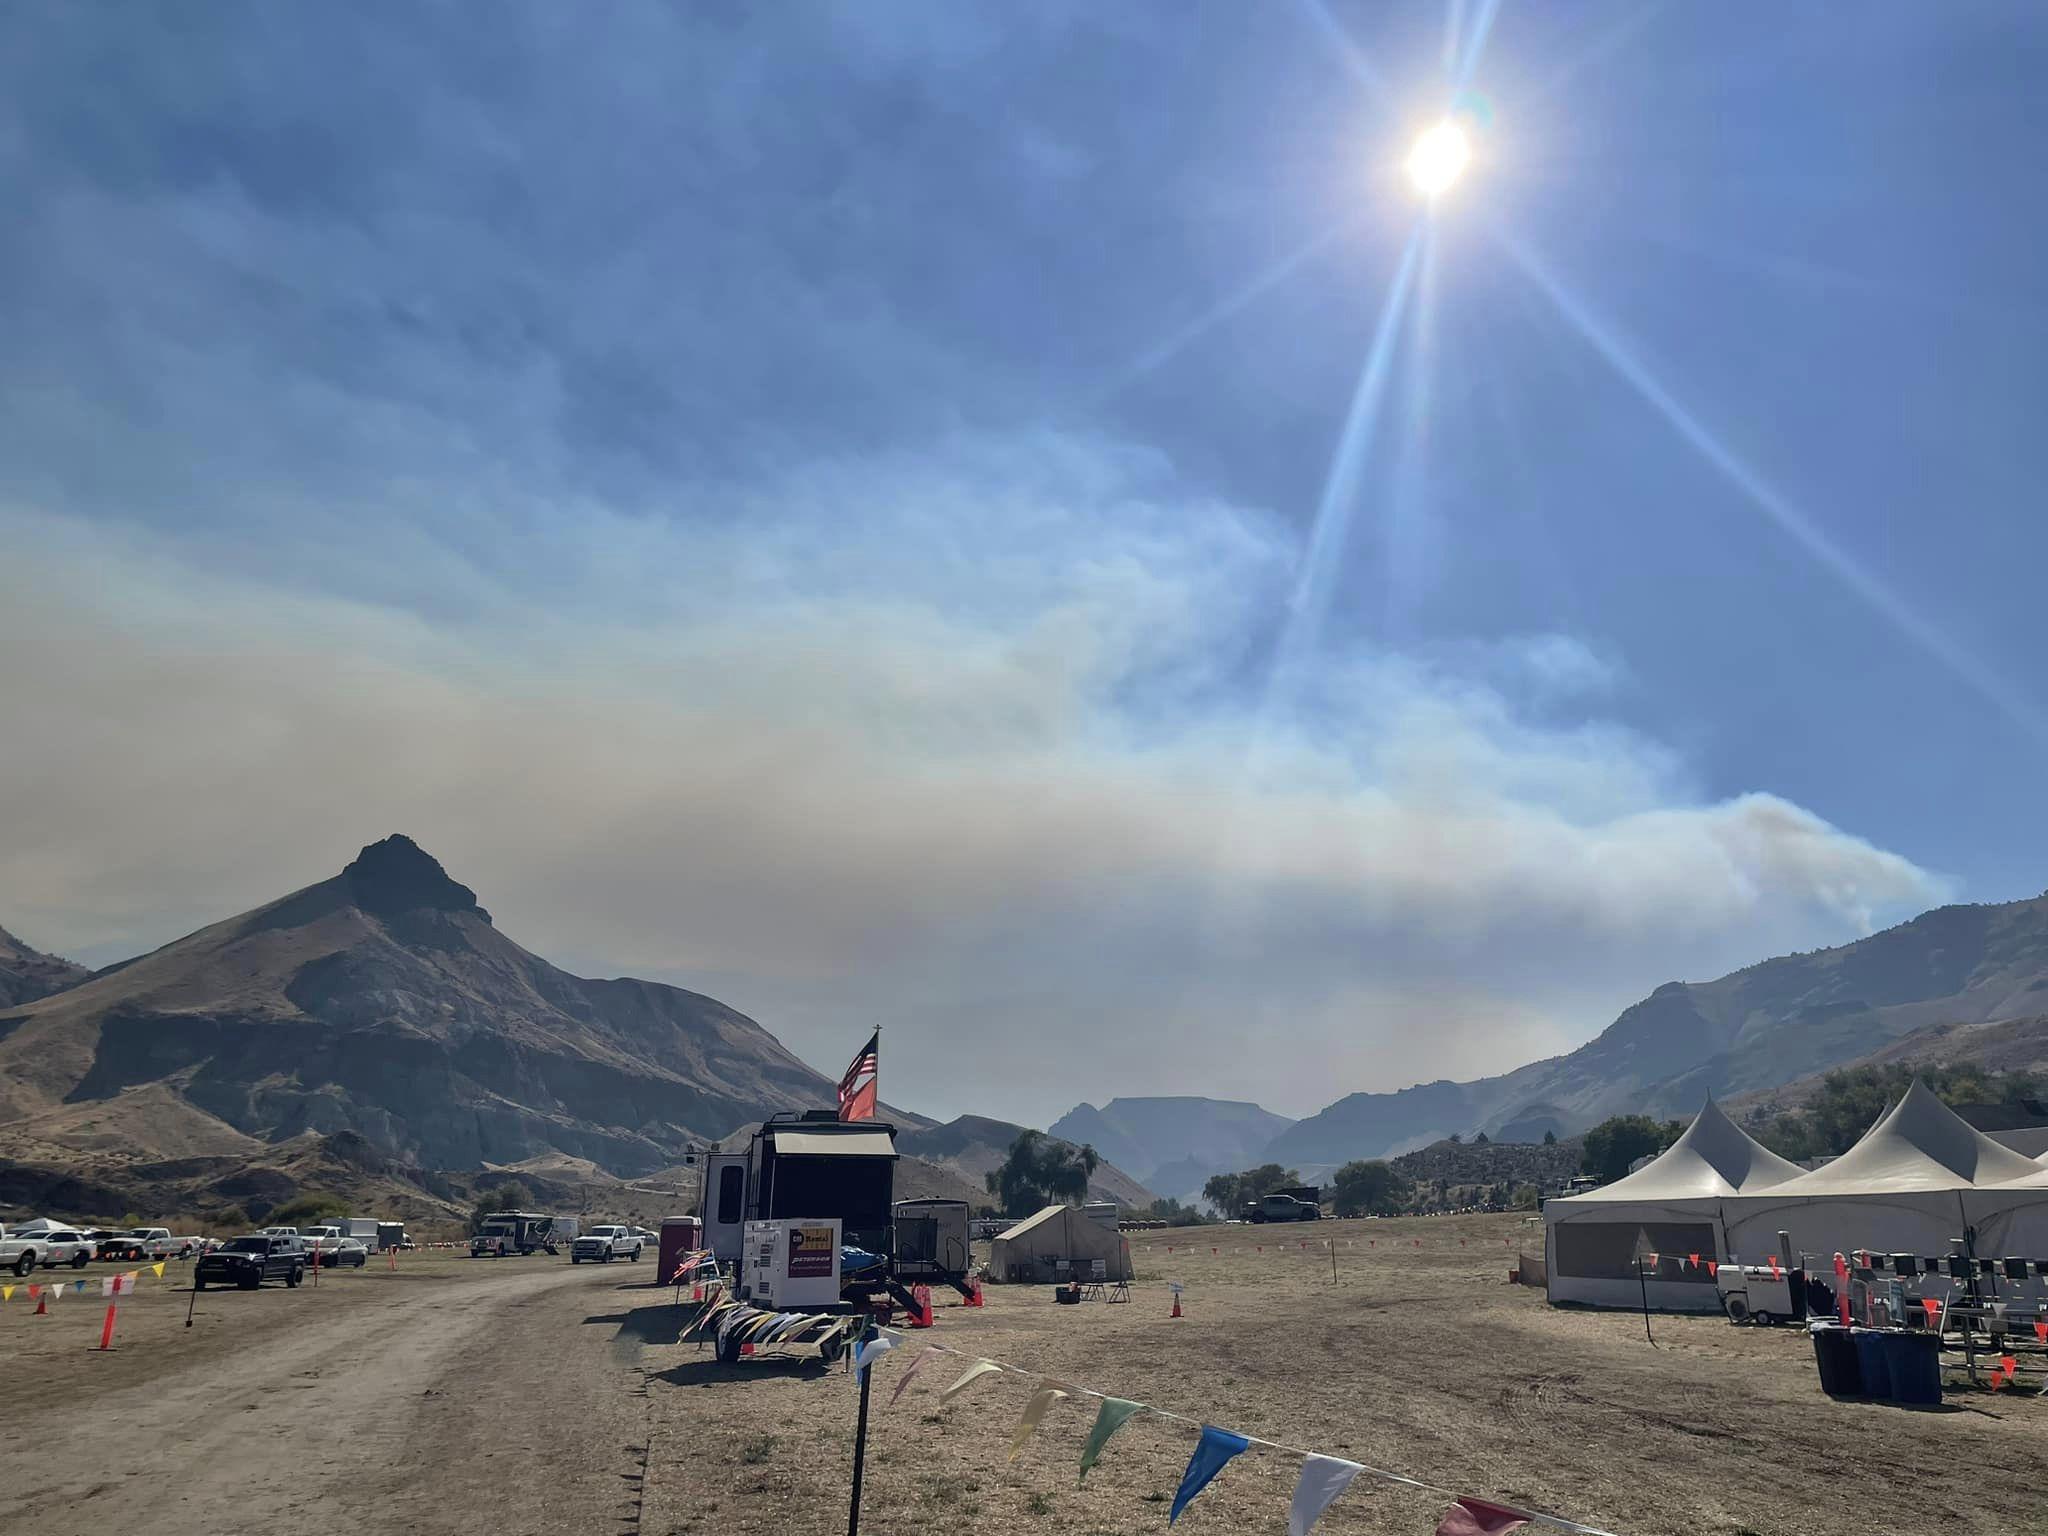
[[1032, 1251], [1673, 1207], [1907, 1187]]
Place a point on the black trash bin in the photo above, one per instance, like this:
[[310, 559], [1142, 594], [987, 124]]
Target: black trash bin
[[1834, 1351], [1874, 1362]]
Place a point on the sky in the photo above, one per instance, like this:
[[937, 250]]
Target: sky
[[1017, 524]]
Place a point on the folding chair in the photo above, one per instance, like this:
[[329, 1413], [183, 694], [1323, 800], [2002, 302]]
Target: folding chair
[[1120, 1291], [1097, 1273]]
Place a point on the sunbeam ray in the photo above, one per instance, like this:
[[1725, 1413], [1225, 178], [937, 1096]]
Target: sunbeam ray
[[1340, 487], [1407, 531], [1354, 56], [1633, 20], [1454, 28], [1260, 285], [1475, 46], [1971, 671]]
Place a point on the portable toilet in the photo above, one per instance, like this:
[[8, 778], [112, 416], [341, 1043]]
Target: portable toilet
[[680, 1235]]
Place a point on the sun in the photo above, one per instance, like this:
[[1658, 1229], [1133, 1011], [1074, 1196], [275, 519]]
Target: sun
[[1439, 158]]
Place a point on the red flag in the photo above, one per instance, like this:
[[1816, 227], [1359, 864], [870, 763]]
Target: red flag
[[1692, 1261], [1775, 1271], [1476, 1517], [1713, 1268], [1933, 1311], [2009, 1365], [857, 1088], [2041, 1332]]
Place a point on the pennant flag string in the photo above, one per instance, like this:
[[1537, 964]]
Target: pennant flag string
[[1107, 1424], [1323, 1481]]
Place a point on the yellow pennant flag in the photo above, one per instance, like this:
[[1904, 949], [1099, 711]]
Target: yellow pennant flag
[[1034, 1410], [157, 1269], [968, 1378], [6, 1293]]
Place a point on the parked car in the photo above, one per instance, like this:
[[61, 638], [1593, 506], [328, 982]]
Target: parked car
[[345, 1254], [603, 1244], [246, 1262], [46, 1247], [1282, 1208], [138, 1245]]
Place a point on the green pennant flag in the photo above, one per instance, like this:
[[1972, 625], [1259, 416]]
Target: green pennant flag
[[1115, 1412]]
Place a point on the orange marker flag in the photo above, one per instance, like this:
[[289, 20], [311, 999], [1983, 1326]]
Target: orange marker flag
[[2041, 1331], [1775, 1271], [1933, 1307], [1713, 1268], [1692, 1261]]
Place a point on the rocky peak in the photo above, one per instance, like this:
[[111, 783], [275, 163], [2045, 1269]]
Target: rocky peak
[[397, 875]]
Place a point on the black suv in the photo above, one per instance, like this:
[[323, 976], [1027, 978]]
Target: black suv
[[246, 1262]]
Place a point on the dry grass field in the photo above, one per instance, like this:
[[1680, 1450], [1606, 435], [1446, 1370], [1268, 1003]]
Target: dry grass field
[[1422, 1361], [461, 1397]]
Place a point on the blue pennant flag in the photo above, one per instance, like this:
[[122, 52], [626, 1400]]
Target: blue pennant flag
[[1216, 1448]]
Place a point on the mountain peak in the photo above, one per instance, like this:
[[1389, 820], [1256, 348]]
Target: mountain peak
[[397, 875]]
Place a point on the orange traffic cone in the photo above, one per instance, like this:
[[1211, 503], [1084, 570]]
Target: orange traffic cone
[[42, 1300], [1176, 1305]]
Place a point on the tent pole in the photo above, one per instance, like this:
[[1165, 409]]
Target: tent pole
[[1644, 1283]]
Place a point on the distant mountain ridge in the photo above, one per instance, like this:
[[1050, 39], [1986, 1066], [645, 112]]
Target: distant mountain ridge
[[383, 1002], [1174, 1142], [1757, 1028], [972, 1145], [27, 974]]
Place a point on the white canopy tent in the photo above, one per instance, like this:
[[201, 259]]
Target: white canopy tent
[[1904, 1188], [1672, 1207]]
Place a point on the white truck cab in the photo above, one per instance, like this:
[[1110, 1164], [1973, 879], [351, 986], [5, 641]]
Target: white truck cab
[[604, 1243]]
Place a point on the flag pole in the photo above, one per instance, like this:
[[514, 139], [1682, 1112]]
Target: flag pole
[[860, 1431]]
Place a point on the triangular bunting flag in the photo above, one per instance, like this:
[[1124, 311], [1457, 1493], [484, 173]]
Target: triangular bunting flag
[[1323, 1478], [1212, 1454], [911, 1370], [157, 1269], [6, 1293], [1692, 1261], [81, 1287], [1034, 1410], [1775, 1271], [107, 1286], [1476, 1517], [872, 1349], [1713, 1268], [1113, 1415], [2041, 1331], [34, 1291], [968, 1378]]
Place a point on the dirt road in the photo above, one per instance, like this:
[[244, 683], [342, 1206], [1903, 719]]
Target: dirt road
[[458, 1397]]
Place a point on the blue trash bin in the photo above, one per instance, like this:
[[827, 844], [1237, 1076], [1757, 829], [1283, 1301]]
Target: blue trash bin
[[1914, 1360], [1874, 1360], [1834, 1351]]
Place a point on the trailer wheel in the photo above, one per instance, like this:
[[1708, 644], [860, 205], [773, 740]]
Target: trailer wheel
[[1764, 1319]]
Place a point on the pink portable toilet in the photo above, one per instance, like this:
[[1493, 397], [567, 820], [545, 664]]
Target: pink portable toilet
[[680, 1235]]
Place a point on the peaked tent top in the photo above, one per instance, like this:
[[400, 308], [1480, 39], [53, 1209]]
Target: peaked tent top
[[1921, 1145], [1714, 1157]]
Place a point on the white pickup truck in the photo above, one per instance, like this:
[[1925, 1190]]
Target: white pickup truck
[[45, 1247], [603, 1244], [144, 1245], [337, 1250]]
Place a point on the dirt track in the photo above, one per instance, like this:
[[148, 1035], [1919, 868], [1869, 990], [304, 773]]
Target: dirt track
[[458, 1397], [451, 1397]]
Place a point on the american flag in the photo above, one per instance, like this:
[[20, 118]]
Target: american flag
[[857, 1087]]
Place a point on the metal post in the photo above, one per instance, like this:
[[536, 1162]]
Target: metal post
[[1642, 1281], [195, 1293], [860, 1434]]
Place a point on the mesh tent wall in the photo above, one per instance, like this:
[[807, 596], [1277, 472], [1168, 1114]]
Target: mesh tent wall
[[1673, 1207]]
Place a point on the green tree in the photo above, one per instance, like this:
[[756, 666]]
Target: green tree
[[510, 1196], [1174, 1214], [1221, 1193], [1613, 1144], [231, 1217], [1040, 1171], [1550, 1138], [1526, 1198], [1371, 1189]]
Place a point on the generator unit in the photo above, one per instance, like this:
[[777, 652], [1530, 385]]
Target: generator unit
[[791, 1265]]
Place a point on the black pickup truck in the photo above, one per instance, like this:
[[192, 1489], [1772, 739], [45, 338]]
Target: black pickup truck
[[246, 1262]]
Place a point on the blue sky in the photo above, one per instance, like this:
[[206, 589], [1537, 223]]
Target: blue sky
[[842, 506]]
